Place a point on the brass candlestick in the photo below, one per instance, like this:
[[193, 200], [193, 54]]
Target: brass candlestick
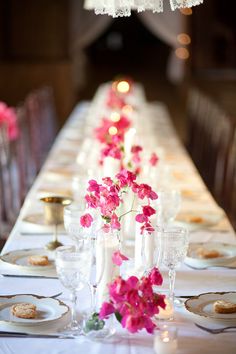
[[53, 214]]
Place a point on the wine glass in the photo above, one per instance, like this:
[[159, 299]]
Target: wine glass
[[73, 227], [169, 201], [172, 245], [79, 188], [71, 266]]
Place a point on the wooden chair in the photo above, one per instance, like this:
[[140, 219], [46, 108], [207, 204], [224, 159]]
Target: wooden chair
[[41, 116], [21, 159], [230, 182], [210, 138], [9, 187]]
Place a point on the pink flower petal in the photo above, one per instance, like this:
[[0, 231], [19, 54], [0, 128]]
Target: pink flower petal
[[141, 218], [86, 220], [106, 310], [118, 258]]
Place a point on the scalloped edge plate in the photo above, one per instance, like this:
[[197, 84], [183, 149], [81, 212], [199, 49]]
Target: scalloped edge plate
[[18, 259], [227, 250], [202, 306], [48, 309]]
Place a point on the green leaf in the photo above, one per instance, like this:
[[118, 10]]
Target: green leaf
[[118, 316]]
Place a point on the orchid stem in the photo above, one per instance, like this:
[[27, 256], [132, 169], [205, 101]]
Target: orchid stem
[[127, 212]]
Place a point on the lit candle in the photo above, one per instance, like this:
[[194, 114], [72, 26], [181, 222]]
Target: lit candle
[[165, 340], [127, 109], [115, 117], [123, 86], [166, 314]]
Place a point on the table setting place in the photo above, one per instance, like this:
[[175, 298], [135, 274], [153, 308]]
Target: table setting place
[[119, 243]]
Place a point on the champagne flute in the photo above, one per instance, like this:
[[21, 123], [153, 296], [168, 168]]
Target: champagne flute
[[71, 266], [102, 272]]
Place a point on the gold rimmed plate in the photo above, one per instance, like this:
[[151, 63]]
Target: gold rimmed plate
[[207, 254], [199, 220], [202, 306], [48, 309], [19, 259], [36, 219]]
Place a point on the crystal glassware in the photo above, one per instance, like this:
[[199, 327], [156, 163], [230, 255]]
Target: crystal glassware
[[166, 339], [172, 246], [72, 215], [168, 203], [102, 272], [53, 214], [71, 266]]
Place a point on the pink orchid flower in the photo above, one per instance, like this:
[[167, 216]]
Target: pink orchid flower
[[153, 159], [118, 258], [106, 310], [86, 220]]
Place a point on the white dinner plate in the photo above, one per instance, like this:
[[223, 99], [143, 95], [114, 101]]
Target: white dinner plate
[[35, 223], [227, 254], [36, 219], [48, 309], [19, 259], [199, 220], [202, 306]]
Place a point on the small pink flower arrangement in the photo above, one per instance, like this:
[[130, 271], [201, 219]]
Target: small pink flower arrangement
[[114, 100], [102, 132], [107, 197], [9, 119], [112, 144], [134, 301]]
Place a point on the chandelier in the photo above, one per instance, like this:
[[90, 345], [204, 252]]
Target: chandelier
[[120, 8]]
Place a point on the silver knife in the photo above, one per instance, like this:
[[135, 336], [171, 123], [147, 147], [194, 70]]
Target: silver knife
[[28, 276], [33, 335], [40, 233]]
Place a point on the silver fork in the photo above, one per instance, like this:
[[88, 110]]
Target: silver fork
[[216, 330], [210, 267]]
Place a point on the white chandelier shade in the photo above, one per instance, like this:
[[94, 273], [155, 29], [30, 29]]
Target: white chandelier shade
[[122, 8]]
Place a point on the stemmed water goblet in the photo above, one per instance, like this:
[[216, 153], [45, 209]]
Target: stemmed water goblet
[[71, 266], [172, 245], [73, 227], [168, 203]]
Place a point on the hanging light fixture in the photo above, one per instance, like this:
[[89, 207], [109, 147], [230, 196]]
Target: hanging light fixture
[[121, 8]]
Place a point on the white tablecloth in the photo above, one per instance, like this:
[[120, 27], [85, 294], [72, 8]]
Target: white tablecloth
[[56, 175]]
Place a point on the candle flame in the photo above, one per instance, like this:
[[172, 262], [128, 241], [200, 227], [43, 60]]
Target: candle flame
[[113, 130], [115, 117], [123, 86], [127, 109]]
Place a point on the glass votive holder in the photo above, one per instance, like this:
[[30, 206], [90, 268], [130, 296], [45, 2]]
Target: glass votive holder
[[166, 314], [166, 340]]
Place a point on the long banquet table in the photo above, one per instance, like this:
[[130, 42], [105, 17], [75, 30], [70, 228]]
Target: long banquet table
[[75, 147]]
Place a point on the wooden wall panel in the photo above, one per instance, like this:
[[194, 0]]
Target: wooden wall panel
[[38, 29], [17, 80]]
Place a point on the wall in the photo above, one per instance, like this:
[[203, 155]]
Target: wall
[[34, 51]]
